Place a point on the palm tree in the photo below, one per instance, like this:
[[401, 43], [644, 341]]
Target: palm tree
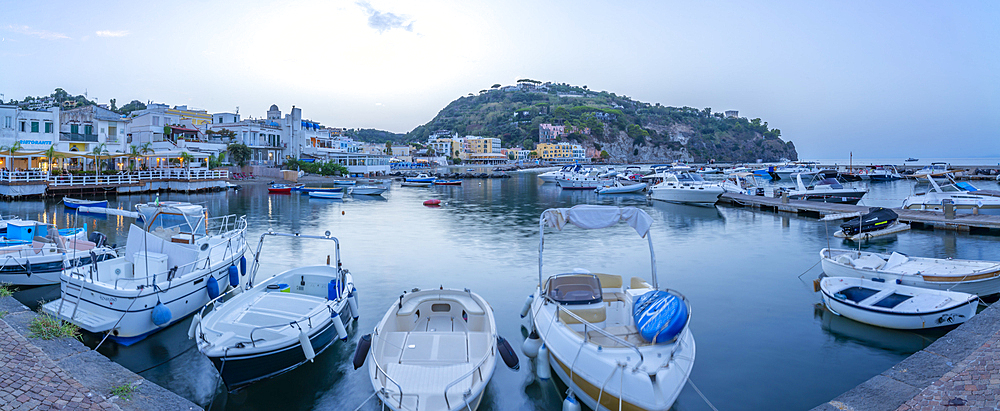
[[134, 155], [9, 150], [145, 148], [99, 152], [186, 160], [51, 154]]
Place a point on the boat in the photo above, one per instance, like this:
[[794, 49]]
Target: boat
[[790, 171], [886, 304], [709, 170], [936, 169], [448, 182], [35, 253], [746, 183], [584, 179], [826, 190], [877, 218], [310, 190], [370, 190], [619, 187], [692, 190], [594, 328], [344, 182], [964, 198], [551, 176], [281, 188], [171, 266], [912, 159], [735, 170], [434, 349], [416, 184], [328, 195], [968, 276], [276, 325], [421, 178], [75, 203], [885, 172]]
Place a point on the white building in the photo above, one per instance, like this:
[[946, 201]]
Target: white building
[[83, 129], [34, 130]]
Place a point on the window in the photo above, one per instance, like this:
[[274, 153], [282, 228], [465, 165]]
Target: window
[[48, 127], [156, 120], [23, 126], [7, 123], [88, 129], [75, 129], [34, 126]]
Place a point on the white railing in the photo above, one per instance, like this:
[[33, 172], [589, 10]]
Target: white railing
[[112, 179], [22, 176]]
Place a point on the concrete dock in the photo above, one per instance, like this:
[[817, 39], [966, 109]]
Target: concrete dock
[[64, 374], [916, 218]]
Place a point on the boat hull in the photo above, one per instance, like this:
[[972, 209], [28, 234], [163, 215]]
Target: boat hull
[[632, 188], [282, 190], [45, 269], [327, 195], [688, 195], [952, 315], [852, 197], [74, 204], [368, 191], [981, 284]]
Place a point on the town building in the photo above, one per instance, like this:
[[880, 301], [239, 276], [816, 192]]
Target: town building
[[483, 150], [732, 113], [85, 128], [34, 130], [560, 152]]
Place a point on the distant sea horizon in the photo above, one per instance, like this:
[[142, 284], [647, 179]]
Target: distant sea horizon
[[972, 161]]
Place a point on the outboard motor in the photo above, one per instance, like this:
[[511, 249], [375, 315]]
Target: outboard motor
[[98, 238]]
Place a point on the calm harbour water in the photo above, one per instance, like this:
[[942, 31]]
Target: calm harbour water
[[764, 341]]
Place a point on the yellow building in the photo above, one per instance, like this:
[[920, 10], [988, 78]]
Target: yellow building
[[197, 117], [561, 151]]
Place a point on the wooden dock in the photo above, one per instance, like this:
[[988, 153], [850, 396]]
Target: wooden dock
[[916, 218]]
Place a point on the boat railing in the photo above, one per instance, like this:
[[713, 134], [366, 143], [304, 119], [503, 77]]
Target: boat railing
[[149, 280], [378, 369], [297, 323], [478, 367], [226, 224], [587, 327]]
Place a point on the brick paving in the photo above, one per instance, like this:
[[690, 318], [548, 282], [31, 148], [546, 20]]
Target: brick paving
[[974, 384], [30, 380]]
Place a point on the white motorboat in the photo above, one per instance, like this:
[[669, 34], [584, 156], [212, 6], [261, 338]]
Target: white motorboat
[[178, 261], [369, 190], [735, 170], [583, 181], [620, 187], [551, 176], [890, 305], [692, 190], [746, 183], [327, 195], [790, 171], [421, 178], [935, 169], [278, 324], [35, 253], [963, 196], [967, 276], [883, 173], [826, 190], [622, 345], [434, 350]]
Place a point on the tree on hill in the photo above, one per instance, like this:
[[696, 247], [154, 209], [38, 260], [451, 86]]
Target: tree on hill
[[497, 85]]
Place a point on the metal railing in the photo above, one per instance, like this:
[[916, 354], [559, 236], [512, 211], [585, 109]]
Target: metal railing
[[23, 176], [78, 137], [479, 367], [111, 179], [587, 326], [378, 369]]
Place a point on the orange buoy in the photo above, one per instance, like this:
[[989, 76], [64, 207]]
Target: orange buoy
[[432, 202]]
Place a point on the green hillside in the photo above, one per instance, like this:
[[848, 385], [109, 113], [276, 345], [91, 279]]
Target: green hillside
[[606, 120]]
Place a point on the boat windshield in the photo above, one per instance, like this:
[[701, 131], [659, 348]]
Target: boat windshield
[[575, 289]]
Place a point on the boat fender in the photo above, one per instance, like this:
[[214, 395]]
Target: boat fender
[[432, 202], [332, 290], [195, 322], [352, 301], [527, 305], [542, 369], [339, 325], [161, 314], [360, 353], [234, 276], [507, 353], [28, 267], [243, 265], [212, 286], [531, 345], [307, 347], [571, 403]]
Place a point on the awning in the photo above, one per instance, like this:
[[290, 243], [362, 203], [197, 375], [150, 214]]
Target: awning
[[171, 154], [596, 216]]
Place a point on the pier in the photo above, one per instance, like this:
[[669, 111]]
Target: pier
[[916, 218], [15, 184]]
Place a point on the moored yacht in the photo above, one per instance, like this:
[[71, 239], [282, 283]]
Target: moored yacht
[[963, 196], [826, 190], [175, 263], [685, 188]]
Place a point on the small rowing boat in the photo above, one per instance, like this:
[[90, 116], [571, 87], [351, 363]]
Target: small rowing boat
[[75, 203], [891, 305]]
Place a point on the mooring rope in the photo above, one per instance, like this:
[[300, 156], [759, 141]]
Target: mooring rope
[[703, 397]]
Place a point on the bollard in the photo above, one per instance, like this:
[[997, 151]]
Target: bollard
[[949, 209], [784, 197]]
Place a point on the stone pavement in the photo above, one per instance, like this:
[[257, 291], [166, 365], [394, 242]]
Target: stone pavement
[[31, 381], [974, 384], [958, 372]]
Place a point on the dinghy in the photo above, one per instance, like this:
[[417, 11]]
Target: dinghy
[[369, 190], [878, 222], [277, 324], [415, 184], [969, 276], [619, 188], [434, 350], [886, 304], [616, 344], [328, 195], [76, 203]]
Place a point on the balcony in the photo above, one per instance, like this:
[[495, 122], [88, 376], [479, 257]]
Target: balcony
[[77, 137]]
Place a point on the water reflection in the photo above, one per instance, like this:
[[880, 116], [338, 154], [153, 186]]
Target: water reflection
[[846, 330]]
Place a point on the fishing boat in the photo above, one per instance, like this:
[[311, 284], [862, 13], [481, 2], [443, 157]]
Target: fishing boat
[[968, 276], [434, 349], [344, 182], [276, 325], [416, 184], [693, 190], [964, 198], [370, 190], [171, 266], [825, 190], [616, 344], [886, 304], [619, 187], [421, 178], [35, 253], [448, 182], [75, 203], [327, 195], [310, 190], [280, 188]]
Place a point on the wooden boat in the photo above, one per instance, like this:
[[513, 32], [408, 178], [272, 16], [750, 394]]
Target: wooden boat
[[276, 325], [329, 195], [370, 190], [433, 350], [415, 184], [421, 178], [310, 190], [968, 276], [344, 182], [76, 203], [448, 182], [887, 304], [589, 332], [280, 189]]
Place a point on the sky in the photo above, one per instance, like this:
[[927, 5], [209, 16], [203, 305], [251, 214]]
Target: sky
[[876, 79]]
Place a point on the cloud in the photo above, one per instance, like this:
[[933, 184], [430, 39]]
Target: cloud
[[384, 21], [112, 33], [42, 34]]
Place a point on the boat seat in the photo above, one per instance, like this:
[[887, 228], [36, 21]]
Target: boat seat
[[468, 304], [590, 315], [609, 280], [479, 345], [845, 260], [393, 347], [628, 333], [639, 283], [610, 297], [435, 348], [869, 262]]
